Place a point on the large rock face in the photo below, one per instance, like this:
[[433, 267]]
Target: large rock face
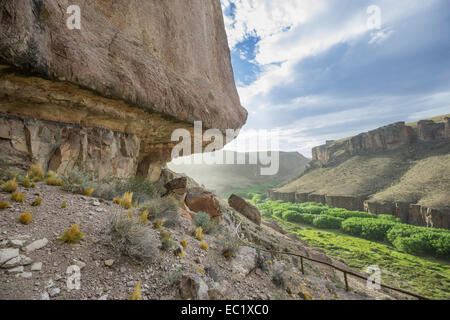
[[141, 68], [386, 138]]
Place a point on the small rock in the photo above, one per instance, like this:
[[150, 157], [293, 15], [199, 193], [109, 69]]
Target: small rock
[[3, 243], [198, 260], [54, 292], [25, 275], [103, 297], [123, 269], [16, 269], [17, 243], [25, 261], [36, 245], [193, 287], [109, 262], [8, 254], [37, 266], [14, 262], [95, 203], [45, 296], [49, 284], [80, 264], [130, 284]]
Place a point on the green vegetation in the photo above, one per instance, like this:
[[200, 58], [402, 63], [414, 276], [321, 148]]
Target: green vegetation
[[363, 239]]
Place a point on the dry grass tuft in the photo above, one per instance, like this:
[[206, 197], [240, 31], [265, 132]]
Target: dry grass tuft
[[88, 192], [184, 243], [25, 218], [199, 234], [36, 172], [37, 202], [204, 246], [4, 205], [63, 205], [10, 186], [72, 235], [137, 295], [26, 182], [53, 181], [18, 197]]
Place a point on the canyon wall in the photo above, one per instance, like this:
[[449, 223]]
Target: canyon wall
[[386, 138], [426, 138], [135, 70]]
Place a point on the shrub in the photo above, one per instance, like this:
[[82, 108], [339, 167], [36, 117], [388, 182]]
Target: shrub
[[78, 181], [184, 243], [4, 205], [18, 197], [72, 235], [137, 295], [201, 220], [199, 233], [53, 181], [345, 214], [327, 222], [36, 172], [141, 187], [165, 209], [388, 217], [132, 238], [371, 229], [63, 205], [25, 218], [229, 245], [37, 202], [204, 246], [166, 240], [10, 186], [26, 182]]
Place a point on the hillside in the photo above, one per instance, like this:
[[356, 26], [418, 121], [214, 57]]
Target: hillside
[[398, 169], [226, 178]]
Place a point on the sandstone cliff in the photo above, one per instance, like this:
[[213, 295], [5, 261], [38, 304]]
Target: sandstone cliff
[[111, 93], [400, 169]]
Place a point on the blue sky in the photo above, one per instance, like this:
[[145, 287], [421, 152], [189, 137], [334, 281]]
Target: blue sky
[[315, 70]]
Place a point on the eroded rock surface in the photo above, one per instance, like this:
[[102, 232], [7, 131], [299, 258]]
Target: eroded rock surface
[[137, 70]]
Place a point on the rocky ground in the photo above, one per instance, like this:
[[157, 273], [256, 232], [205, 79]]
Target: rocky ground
[[34, 262]]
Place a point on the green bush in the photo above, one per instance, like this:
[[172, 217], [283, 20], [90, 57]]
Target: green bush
[[201, 220], [367, 228], [327, 222], [345, 214]]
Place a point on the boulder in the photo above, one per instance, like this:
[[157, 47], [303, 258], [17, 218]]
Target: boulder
[[193, 288], [246, 209], [177, 186], [200, 200]]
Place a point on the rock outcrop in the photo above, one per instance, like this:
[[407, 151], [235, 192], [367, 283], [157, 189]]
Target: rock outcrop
[[134, 72], [386, 138], [246, 209]]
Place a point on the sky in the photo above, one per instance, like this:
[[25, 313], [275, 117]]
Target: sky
[[317, 70]]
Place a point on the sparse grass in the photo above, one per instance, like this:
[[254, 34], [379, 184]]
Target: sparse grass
[[88, 192], [10, 186], [73, 235], [137, 295], [201, 219], [25, 218], [53, 181], [158, 224], [18, 197], [184, 243], [26, 182], [166, 240], [126, 201], [37, 202], [179, 253], [4, 205], [132, 238], [199, 234], [36, 172], [143, 217], [204, 246]]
